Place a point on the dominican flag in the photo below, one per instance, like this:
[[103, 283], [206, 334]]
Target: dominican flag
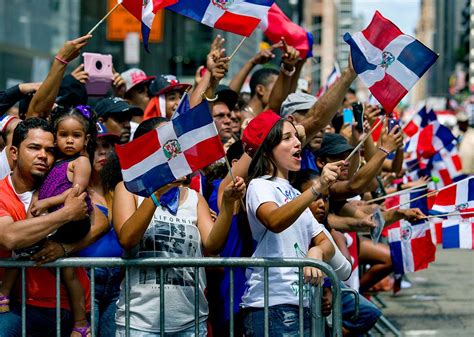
[[387, 61], [459, 197], [446, 165], [431, 139], [332, 78], [279, 25], [458, 232], [235, 16], [411, 247], [420, 120], [183, 106], [186, 144], [144, 11]]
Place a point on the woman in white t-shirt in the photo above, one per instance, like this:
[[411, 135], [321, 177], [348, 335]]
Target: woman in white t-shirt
[[174, 222], [281, 223]]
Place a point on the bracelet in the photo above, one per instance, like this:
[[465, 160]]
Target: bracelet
[[383, 150], [66, 254], [155, 200], [63, 61], [203, 95], [287, 72], [315, 193]]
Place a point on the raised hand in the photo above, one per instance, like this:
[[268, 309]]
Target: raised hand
[[71, 49]]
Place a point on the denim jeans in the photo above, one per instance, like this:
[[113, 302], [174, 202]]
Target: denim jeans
[[107, 291], [189, 332], [283, 321], [368, 313], [40, 322]]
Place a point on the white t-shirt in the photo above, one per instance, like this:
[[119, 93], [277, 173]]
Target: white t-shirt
[[292, 242], [4, 166]]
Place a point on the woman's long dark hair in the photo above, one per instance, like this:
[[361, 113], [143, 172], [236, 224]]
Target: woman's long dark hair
[[262, 162]]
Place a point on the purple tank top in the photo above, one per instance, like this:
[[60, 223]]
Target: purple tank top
[[57, 182]]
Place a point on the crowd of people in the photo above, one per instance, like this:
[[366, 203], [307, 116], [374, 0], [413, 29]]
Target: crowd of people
[[292, 192]]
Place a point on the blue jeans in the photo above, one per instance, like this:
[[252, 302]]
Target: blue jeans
[[189, 332], [107, 291], [40, 322], [368, 313], [283, 321]]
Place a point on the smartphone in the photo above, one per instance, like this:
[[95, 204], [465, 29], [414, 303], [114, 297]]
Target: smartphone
[[347, 116], [358, 111], [391, 124], [99, 68]]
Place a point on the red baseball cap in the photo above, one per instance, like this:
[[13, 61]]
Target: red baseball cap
[[259, 127], [135, 76]]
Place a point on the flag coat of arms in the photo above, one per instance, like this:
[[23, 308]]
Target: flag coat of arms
[[458, 232], [458, 197], [144, 11], [235, 16], [387, 61], [186, 144], [411, 247]]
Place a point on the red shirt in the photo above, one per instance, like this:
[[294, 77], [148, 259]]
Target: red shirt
[[40, 282]]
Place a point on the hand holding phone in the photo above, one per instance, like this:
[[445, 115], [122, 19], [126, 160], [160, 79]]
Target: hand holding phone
[[392, 122], [347, 116], [358, 111]]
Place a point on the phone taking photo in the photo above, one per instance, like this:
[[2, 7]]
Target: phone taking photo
[[358, 111], [392, 122], [347, 116], [99, 68]]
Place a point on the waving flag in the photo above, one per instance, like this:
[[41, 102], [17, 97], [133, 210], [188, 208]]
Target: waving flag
[[430, 140], [144, 11], [459, 197], [419, 121], [387, 61], [446, 165], [458, 232], [280, 25], [235, 16], [332, 78], [186, 144], [411, 247]]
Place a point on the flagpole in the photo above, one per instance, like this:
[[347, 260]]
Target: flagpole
[[105, 17], [237, 48], [233, 178], [449, 214], [421, 187], [365, 138]]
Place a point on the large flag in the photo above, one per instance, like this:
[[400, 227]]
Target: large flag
[[458, 232], [144, 11], [387, 61], [186, 144], [459, 197], [411, 247], [235, 16], [279, 25], [332, 78], [421, 119]]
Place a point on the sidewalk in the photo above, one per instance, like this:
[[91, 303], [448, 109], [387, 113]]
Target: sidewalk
[[441, 299]]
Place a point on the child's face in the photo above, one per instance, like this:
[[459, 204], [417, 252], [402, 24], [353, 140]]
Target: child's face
[[172, 100], [71, 136]]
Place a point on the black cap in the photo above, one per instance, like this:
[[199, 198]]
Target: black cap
[[71, 92], [115, 105], [166, 83], [333, 144], [227, 96]]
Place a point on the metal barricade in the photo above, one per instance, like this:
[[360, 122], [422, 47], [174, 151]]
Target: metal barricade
[[317, 320]]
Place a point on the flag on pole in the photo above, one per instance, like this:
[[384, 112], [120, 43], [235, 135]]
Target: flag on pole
[[387, 61], [421, 119], [458, 232], [235, 16], [279, 25], [411, 247], [332, 78], [144, 11], [458, 197], [186, 144]]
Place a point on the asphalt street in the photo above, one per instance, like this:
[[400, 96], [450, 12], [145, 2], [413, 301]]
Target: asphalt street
[[441, 299]]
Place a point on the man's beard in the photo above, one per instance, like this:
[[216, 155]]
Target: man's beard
[[38, 179]]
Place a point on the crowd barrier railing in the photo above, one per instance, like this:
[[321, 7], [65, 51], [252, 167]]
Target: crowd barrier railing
[[317, 319]]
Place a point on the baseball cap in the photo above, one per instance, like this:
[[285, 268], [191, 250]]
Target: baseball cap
[[115, 105], [135, 76], [296, 102], [259, 127], [5, 120], [333, 144], [227, 96], [103, 132], [71, 92], [165, 83]]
